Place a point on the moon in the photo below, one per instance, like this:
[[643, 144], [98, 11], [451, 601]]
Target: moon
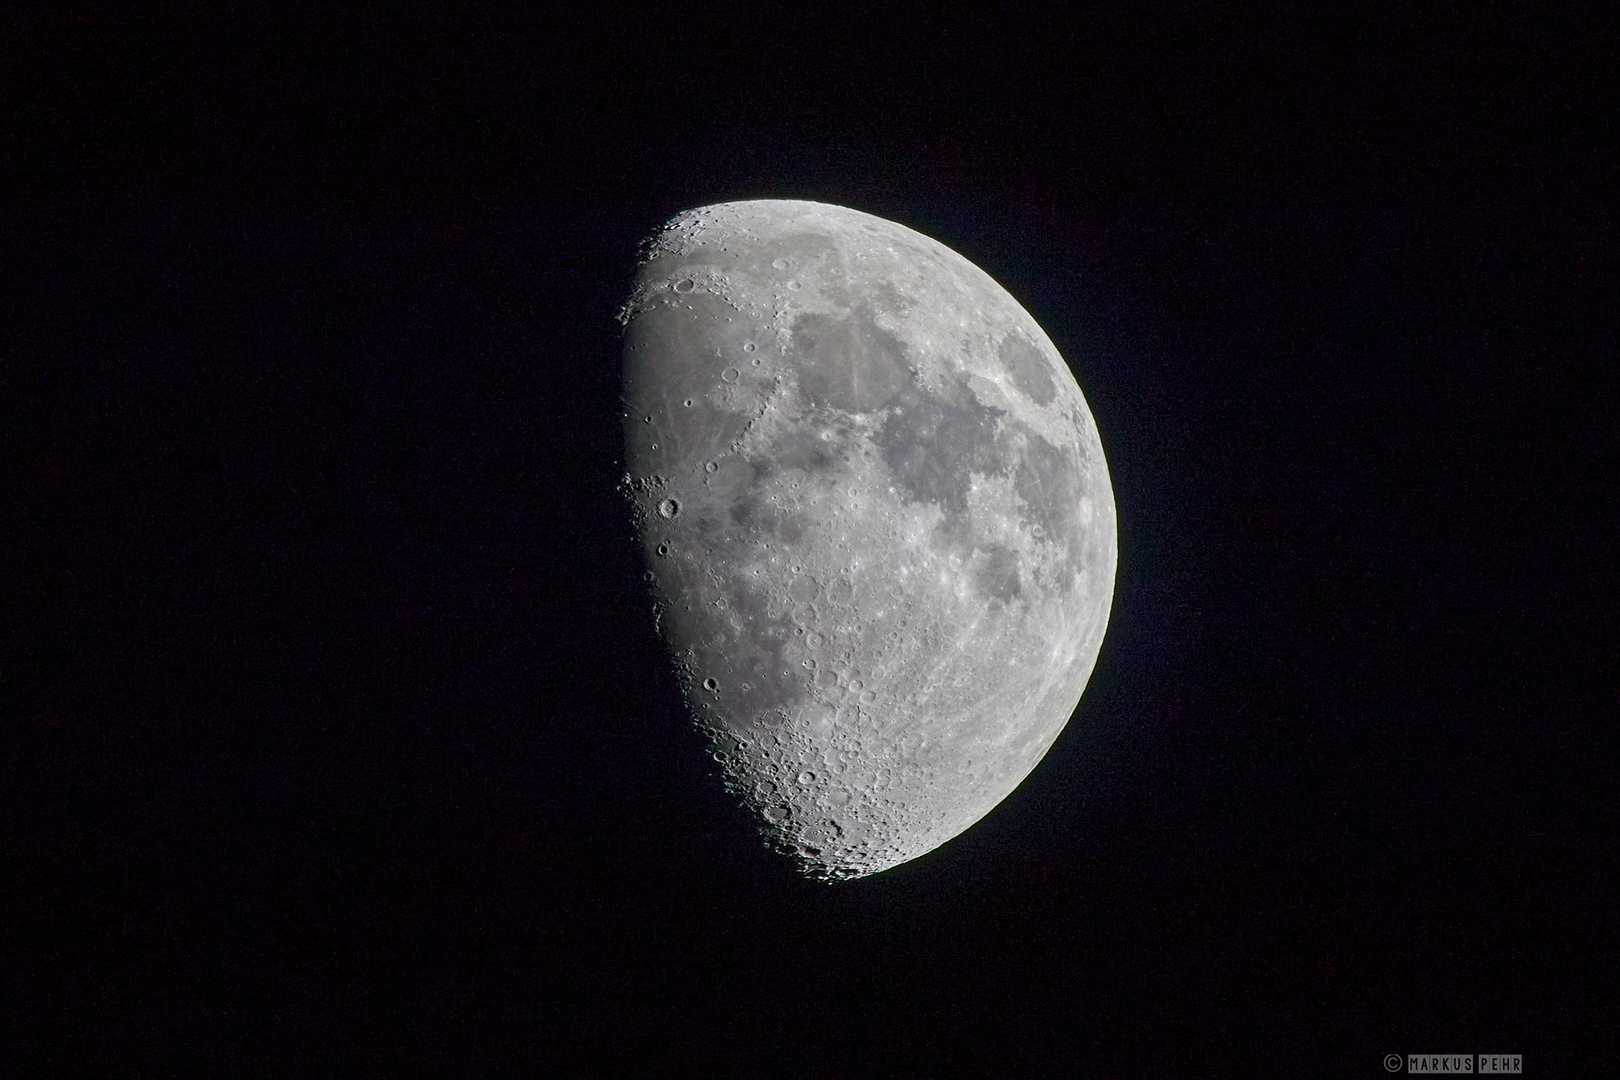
[[877, 518]]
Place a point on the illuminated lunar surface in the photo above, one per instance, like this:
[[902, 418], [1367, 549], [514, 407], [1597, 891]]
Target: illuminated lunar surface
[[877, 517]]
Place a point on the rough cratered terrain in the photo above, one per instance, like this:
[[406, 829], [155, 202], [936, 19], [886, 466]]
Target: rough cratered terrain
[[877, 516]]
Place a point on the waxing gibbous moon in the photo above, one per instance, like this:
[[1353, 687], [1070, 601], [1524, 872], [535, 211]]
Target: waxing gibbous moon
[[877, 518]]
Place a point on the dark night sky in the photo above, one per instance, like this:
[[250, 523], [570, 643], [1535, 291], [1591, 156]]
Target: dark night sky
[[337, 737]]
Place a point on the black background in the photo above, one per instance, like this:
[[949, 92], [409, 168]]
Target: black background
[[337, 736]]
